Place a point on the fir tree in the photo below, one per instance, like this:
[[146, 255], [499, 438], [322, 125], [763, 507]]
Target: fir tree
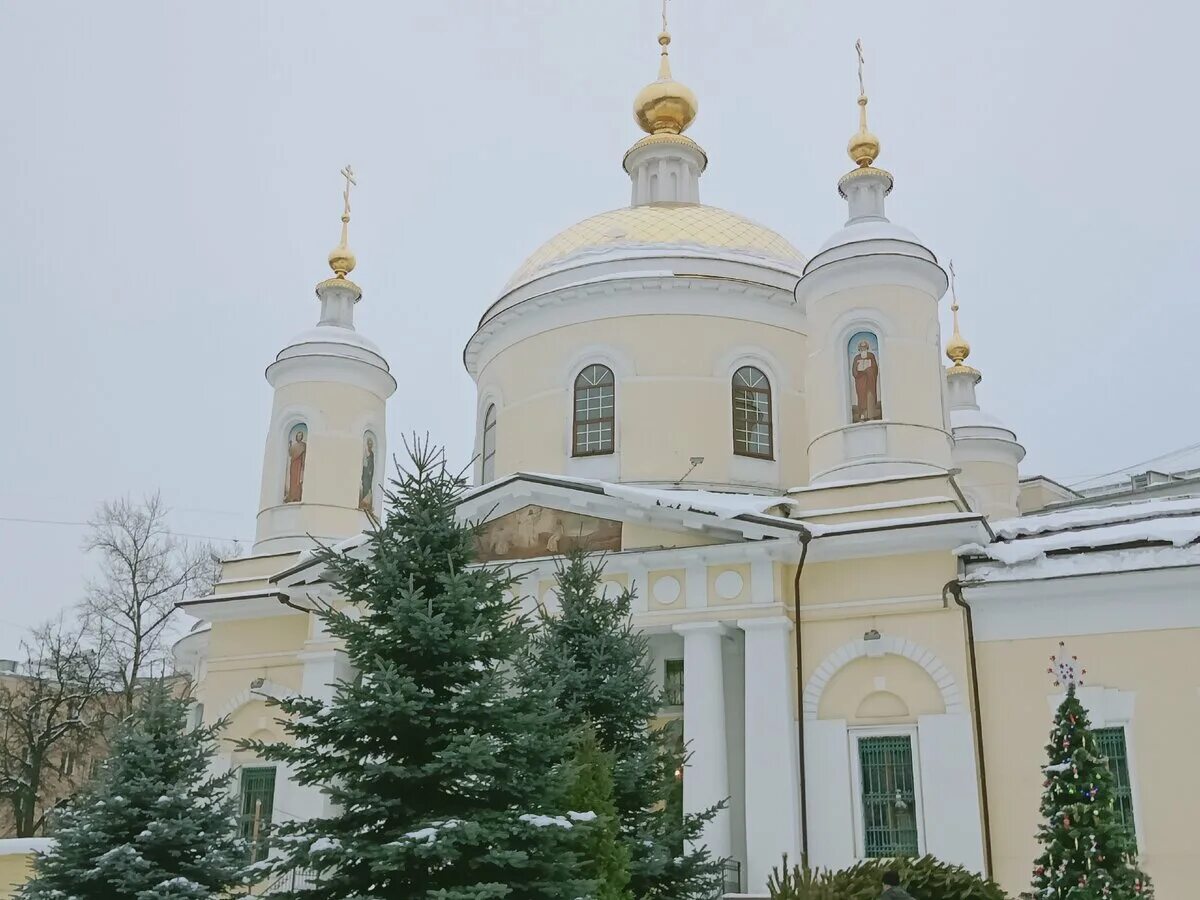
[[604, 857], [154, 825], [597, 668], [437, 768], [1086, 853]]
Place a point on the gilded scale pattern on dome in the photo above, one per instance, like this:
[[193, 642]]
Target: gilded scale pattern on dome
[[680, 224]]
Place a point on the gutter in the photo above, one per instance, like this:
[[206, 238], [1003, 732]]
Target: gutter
[[954, 588], [805, 537]]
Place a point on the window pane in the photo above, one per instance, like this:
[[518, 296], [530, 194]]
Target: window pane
[[1111, 744], [595, 407], [673, 682], [889, 807], [751, 413], [257, 803], [488, 449]]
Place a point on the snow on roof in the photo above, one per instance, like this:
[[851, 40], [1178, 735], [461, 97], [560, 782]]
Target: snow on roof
[[723, 506], [1066, 543], [1082, 517]]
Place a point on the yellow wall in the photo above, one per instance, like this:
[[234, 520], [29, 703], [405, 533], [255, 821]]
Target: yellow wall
[[15, 869], [1160, 666], [677, 388]]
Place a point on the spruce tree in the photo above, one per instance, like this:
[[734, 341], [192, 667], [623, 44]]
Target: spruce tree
[[437, 767], [1086, 853], [153, 825], [604, 857], [597, 668]]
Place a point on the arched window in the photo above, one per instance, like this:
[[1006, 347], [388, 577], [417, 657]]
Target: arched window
[[595, 405], [752, 428], [487, 448]]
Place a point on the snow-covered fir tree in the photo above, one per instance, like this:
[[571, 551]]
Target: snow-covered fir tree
[[597, 667], [1086, 853], [439, 770], [153, 825]]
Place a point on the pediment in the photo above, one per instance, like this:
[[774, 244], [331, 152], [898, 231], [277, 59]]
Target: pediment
[[535, 530]]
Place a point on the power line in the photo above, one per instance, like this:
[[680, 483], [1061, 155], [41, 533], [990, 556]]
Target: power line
[[1187, 449], [208, 537]]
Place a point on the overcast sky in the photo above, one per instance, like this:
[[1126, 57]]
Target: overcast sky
[[169, 184]]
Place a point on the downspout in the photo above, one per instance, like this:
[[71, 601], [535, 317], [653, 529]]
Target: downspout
[[954, 588], [805, 537]]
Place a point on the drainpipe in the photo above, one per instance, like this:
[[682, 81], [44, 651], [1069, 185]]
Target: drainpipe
[[805, 537], [954, 588]]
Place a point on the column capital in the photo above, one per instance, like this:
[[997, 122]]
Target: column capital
[[720, 629], [765, 623]]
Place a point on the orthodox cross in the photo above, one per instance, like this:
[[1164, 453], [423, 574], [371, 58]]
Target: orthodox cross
[[664, 14], [953, 292], [348, 174], [862, 90]]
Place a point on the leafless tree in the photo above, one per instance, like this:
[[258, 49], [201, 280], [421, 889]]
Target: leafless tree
[[144, 571], [49, 722]]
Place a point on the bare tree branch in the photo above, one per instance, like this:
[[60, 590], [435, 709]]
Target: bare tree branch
[[144, 571]]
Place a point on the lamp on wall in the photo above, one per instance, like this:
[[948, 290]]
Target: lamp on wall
[[872, 635], [695, 461]]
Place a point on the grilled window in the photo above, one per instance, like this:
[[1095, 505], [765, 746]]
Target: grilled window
[[1111, 744], [889, 802], [257, 803], [673, 682], [488, 449], [752, 430], [595, 405]]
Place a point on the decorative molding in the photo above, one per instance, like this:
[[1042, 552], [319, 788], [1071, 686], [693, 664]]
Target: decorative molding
[[837, 660], [249, 695]]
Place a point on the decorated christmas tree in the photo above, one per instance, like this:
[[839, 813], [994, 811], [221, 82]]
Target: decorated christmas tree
[[438, 767], [1086, 852], [597, 667], [153, 825]]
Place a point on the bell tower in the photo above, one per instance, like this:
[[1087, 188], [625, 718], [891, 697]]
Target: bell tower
[[327, 440], [871, 295]]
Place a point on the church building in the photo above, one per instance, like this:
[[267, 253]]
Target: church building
[[850, 591]]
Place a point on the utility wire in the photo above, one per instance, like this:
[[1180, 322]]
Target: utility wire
[[208, 537]]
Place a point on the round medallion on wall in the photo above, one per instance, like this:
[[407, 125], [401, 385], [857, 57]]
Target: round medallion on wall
[[610, 588], [729, 584], [550, 600], [666, 590]]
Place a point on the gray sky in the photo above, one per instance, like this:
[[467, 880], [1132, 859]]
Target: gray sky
[[170, 191]]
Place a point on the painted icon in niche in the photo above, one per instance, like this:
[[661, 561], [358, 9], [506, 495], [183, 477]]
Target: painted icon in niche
[[366, 486], [863, 350], [297, 450]]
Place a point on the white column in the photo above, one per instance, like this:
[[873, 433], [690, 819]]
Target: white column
[[322, 670], [950, 789], [706, 777], [772, 767]]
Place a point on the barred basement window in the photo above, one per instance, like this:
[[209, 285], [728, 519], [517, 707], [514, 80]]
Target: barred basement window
[[488, 450], [595, 406], [752, 429], [673, 682], [256, 805], [889, 797], [1111, 744]]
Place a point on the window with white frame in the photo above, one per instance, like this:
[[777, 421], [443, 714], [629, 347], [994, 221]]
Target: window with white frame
[[887, 793], [752, 427], [594, 412], [487, 450], [673, 682], [257, 804]]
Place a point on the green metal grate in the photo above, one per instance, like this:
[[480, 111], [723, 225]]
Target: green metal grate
[[1111, 744], [258, 802], [673, 682], [889, 804]]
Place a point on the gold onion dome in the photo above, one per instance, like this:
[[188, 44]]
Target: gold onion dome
[[864, 145], [665, 106], [957, 348], [341, 258]]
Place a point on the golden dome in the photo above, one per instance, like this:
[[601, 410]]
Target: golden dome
[[864, 145], [668, 229], [341, 258], [957, 348], [665, 106]]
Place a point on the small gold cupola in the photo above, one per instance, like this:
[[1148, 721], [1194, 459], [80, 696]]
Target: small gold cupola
[[864, 145], [958, 348], [665, 106], [341, 257]]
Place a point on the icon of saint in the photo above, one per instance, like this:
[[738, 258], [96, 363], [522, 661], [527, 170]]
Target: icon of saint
[[864, 368], [366, 489], [297, 450]]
